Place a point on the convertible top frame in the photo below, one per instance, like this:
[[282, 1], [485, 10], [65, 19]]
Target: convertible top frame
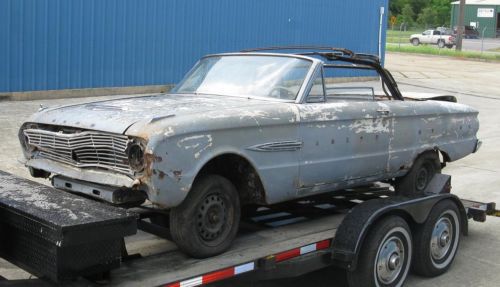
[[333, 54]]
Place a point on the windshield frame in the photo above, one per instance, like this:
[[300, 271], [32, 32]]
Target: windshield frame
[[300, 93]]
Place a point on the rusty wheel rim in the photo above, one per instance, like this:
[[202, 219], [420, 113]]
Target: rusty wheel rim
[[212, 217]]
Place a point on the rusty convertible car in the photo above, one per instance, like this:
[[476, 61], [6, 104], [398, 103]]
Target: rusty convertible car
[[252, 128]]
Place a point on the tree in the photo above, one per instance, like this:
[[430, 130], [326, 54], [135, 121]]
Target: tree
[[396, 6], [424, 9], [407, 14], [443, 11], [427, 17]]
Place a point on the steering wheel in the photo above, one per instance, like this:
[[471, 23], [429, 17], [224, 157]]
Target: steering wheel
[[281, 92]]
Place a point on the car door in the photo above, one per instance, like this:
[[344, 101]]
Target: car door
[[426, 37], [345, 140], [436, 36]]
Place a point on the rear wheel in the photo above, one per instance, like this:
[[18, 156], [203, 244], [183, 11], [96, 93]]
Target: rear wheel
[[207, 221], [441, 44], [387, 254], [437, 240], [415, 42], [419, 176]]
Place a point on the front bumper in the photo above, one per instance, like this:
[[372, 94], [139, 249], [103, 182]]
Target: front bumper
[[90, 175], [107, 193]]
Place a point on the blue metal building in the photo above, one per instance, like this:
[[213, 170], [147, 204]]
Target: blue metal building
[[72, 44]]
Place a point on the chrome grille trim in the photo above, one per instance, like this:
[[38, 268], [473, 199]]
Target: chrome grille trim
[[82, 149]]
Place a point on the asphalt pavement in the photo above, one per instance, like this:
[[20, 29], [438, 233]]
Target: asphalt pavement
[[475, 177]]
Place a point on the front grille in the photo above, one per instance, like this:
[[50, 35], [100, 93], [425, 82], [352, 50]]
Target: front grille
[[82, 149]]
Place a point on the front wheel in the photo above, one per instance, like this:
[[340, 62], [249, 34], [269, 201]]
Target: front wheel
[[386, 255], [437, 240], [415, 42], [206, 222]]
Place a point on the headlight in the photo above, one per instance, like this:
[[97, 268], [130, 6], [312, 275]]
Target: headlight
[[136, 156]]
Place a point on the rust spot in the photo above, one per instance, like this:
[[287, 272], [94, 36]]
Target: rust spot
[[161, 175], [177, 173]]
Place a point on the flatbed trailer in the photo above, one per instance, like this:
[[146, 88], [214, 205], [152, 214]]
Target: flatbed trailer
[[280, 241]]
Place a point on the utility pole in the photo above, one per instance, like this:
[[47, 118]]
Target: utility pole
[[461, 25]]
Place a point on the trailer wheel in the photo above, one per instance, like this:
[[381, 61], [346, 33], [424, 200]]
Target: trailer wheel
[[437, 240], [416, 180], [206, 222], [385, 256]]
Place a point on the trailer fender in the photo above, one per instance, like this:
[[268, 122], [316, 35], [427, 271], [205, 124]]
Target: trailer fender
[[357, 223]]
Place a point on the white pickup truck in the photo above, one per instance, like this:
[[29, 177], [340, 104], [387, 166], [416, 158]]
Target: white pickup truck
[[434, 37]]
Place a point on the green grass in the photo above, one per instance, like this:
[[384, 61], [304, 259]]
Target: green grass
[[403, 37], [433, 50], [495, 50]]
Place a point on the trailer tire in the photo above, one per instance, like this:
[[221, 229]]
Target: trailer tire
[[421, 173], [437, 240], [385, 256], [206, 222]]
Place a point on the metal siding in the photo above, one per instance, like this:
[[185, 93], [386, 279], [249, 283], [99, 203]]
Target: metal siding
[[471, 16], [63, 44]]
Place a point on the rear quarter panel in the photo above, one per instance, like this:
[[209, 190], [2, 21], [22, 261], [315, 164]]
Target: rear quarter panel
[[427, 125]]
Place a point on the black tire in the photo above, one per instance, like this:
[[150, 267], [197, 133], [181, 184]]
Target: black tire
[[386, 255], [207, 221], [416, 180], [415, 41], [441, 44], [437, 240], [449, 46]]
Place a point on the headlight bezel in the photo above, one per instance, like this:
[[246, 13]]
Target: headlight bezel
[[136, 155]]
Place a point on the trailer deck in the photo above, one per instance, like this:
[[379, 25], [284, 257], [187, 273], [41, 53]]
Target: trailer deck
[[270, 239]]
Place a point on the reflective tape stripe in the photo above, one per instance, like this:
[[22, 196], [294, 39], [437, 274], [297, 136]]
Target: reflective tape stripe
[[302, 250], [244, 268], [308, 249], [192, 282], [218, 275], [250, 266], [323, 244], [215, 276]]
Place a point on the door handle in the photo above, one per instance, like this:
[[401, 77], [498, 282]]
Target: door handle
[[383, 112]]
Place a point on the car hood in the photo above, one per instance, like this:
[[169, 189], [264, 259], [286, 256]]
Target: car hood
[[116, 116]]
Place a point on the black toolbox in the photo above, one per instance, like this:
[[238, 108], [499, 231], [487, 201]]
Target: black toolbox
[[57, 235]]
